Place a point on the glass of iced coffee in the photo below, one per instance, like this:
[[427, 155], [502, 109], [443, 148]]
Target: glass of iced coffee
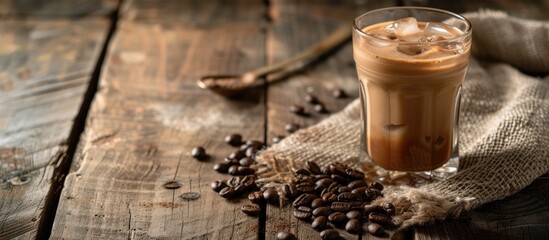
[[411, 62]]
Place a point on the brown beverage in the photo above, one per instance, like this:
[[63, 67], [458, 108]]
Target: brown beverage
[[410, 76]]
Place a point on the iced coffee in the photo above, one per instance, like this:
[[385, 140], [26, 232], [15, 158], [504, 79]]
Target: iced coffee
[[411, 70]]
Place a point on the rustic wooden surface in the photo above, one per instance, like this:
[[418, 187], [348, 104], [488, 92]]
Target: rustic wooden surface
[[148, 114]]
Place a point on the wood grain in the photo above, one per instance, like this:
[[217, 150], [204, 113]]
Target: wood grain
[[45, 68], [62, 9], [296, 26], [145, 119]]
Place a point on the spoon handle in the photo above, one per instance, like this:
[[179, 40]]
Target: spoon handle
[[336, 38]]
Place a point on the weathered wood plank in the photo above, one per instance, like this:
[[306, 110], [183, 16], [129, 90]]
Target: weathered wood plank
[[45, 69], [296, 26], [56, 8], [145, 119]]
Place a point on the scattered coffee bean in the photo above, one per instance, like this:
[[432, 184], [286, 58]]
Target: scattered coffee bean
[[247, 161], [172, 185], [389, 208], [348, 197], [378, 218], [190, 195], [297, 109], [317, 202], [339, 93], [354, 214], [218, 185], [302, 171], [233, 170], [248, 181], [256, 197], [234, 139], [353, 226], [373, 209], [320, 223], [338, 169], [251, 209], [340, 206], [372, 193], [313, 167], [257, 144], [230, 162], [251, 151], [376, 185], [303, 213], [311, 99], [322, 211], [339, 179], [361, 191], [333, 187], [199, 153], [329, 234], [234, 181], [304, 199], [354, 174], [320, 108], [285, 236], [324, 182], [292, 127], [305, 187], [277, 139], [227, 192], [271, 196], [241, 170], [357, 205], [376, 229], [343, 189], [337, 218], [357, 184], [237, 155], [329, 198], [221, 167]]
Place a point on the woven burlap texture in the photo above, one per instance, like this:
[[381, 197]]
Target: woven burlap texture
[[504, 127]]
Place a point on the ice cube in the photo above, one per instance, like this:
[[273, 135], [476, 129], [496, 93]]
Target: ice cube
[[455, 47], [433, 30], [383, 34], [411, 49], [406, 29]]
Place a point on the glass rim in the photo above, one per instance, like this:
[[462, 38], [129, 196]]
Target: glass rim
[[466, 32]]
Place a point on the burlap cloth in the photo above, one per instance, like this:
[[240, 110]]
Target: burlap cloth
[[504, 127]]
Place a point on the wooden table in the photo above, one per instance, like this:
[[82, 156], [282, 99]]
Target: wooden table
[[99, 109]]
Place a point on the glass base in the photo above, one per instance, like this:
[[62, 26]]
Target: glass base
[[413, 179]]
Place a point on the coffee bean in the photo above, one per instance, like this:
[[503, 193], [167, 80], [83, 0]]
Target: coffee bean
[[234, 181], [320, 108], [218, 185], [247, 161], [233, 170], [271, 196], [277, 139], [333, 187], [199, 153], [353, 226], [329, 197], [234, 139], [337, 169], [292, 127], [251, 209], [251, 151], [376, 185], [303, 171], [348, 197], [290, 191], [320, 223], [257, 144], [311, 99], [322, 211], [303, 213], [297, 109], [320, 176], [256, 197], [248, 181], [329, 234], [241, 170], [285, 236], [340, 206], [230, 162], [357, 184], [361, 191], [354, 214], [378, 218], [389, 208], [339, 93], [339, 179], [237, 155], [337, 218], [313, 167], [376, 229], [354, 174], [317, 202], [357, 205], [325, 170], [325, 182], [304, 199], [227, 192], [372, 193], [343, 189], [221, 167], [241, 188], [305, 187], [373, 209]]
